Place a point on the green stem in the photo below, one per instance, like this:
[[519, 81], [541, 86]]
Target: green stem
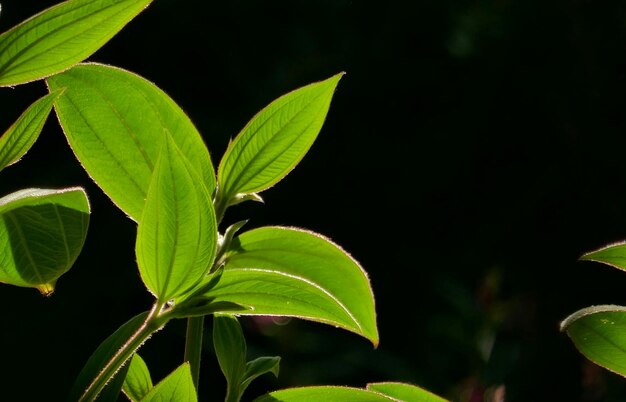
[[154, 321], [193, 346]]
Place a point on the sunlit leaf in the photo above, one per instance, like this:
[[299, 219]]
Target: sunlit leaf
[[177, 234], [404, 392], [19, 138], [61, 36], [293, 272], [599, 333], [41, 234], [103, 354], [275, 140], [115, 122], [176, 387], [613, 255], [137, 382], [324, 393]]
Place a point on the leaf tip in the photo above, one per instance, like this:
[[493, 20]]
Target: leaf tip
[[46, 289]]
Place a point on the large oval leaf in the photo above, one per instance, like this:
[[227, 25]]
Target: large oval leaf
[[41, 234], [275, 140], [177, 234], [599, 333], [176, 387], [404, 392], [325, 393], [61, 36], [19, 138], [115, 122], [613, 255], [293, 272]]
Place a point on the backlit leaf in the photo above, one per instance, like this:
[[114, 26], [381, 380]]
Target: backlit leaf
[[176, 387], [137, 382], [275, 140], [19, 138], [177, 234], [599, 333], [293, 272], [324, 393], [404, 392], [41, 234], [115, 122], [613, 255], [61, 36]]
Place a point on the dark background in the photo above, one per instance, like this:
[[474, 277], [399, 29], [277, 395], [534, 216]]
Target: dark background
[[473, 151]]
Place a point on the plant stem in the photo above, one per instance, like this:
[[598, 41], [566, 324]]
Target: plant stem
[[193, 346], [153, 323]]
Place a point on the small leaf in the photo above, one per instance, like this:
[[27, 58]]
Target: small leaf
[[404, 392], [137, 382], [115, 122], [41, 234], [230, 349], [103, 354], [599, 333], [324, 393], [177, 234], [257, 367], [613, 255], [292, 272], [274, 141], [61, 36], [176, 387], [21, 136]]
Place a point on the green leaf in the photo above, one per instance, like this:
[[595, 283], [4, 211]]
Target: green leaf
[[41, 234], [257, 367], [404, 392], [177, 234], [176, 387], [599, 333], [137, 382], [613, 255], [324, 393], [61, 36], [111, 393], [230, 349], [293, 272], [20, 137], [115, 122], [103, 354], [274, 141]]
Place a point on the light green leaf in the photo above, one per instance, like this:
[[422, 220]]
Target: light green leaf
[[274, 141], [230, 349], [257, 367], [103, 354], [61, 36], [324, 393], [20, 137], [404, 392], [41, 234], [115, 122], [177, 234], [599, 333], [613, 255], [137, 382], [176, 387], [293, 272]]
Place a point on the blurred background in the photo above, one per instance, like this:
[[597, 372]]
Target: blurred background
[[472, 153]]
